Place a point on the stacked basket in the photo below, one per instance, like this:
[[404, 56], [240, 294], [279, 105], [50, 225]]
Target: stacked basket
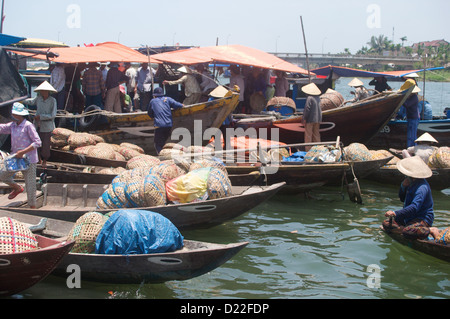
[[15, 237]]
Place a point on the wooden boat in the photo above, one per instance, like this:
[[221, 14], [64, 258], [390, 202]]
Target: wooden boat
[[70, 201], [84, 174], [440, 179], [426, 246], [357, 122], [298, 177], [194, 259], [70, 157], [393, 134], [138, 128], [20, 271]]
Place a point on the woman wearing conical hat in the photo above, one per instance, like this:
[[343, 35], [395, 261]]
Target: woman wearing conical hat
[[360, 92], [44, 120], [424, 148], [417, 216], [312, 114]]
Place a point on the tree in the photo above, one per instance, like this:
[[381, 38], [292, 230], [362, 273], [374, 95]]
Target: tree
[[379, 44], [404, 39]]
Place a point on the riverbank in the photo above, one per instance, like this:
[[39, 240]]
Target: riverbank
[[437, 76]]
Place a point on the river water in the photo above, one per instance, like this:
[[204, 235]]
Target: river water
[[321, 246]]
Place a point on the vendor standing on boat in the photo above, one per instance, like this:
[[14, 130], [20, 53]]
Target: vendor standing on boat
[[312, 114], [44, 119], [192, 89], [113, 80], [24, 141], [412, 112], [160, 110], [417, 216]]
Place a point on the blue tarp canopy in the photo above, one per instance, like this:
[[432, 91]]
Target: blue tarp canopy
[[6, 40], [339, 71]]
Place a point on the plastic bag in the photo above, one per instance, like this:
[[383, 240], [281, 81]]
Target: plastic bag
[[189, 187], [129, 232], [14, 164]]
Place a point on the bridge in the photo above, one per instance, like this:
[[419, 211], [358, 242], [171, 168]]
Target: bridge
[[368, 61]]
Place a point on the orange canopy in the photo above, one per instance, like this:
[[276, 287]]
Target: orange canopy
[[102, 52], [233, 54]]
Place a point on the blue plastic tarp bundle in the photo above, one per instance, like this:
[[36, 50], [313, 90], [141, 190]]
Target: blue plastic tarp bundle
[[129, 232], [296, 157]]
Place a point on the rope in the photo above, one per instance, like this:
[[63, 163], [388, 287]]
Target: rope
[[66, 114]]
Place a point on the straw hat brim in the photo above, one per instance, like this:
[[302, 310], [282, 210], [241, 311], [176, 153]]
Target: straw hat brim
[[414, 167], [311, 89]]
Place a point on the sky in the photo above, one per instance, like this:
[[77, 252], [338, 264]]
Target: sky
[[330, 26]]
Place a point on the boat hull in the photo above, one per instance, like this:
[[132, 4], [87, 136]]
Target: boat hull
[[393, 134], [429, 247], [21, 271], [195, 259], [440, 179]]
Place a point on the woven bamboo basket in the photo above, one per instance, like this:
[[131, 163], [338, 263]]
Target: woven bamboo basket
[[440, 158], [128, 153], [331, 100], [58, 142], [62, 133], [166, 171], [83, 150], [132, 193], [219, 185], [152, 191], [357, 152], [133, 147], [142, 161], [101, 152], [81, 139], [85, 232], [208, 163], [15, 237]]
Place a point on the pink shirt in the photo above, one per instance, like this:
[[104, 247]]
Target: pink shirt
[[22, 136]]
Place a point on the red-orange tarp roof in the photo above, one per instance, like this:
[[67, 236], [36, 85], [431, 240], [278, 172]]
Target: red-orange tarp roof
[[102, 52], [233, 54]]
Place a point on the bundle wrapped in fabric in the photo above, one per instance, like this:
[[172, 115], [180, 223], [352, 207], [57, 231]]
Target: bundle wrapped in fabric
[[85, 232], [15, 237], [129, 232], [440, 158], [357, 152], [199, 185], [444, 236]]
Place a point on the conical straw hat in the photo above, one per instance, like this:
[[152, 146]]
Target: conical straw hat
[[311, 89], [45, 86], [414, 167], [426, 137], [356, 82], [411, 75]]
